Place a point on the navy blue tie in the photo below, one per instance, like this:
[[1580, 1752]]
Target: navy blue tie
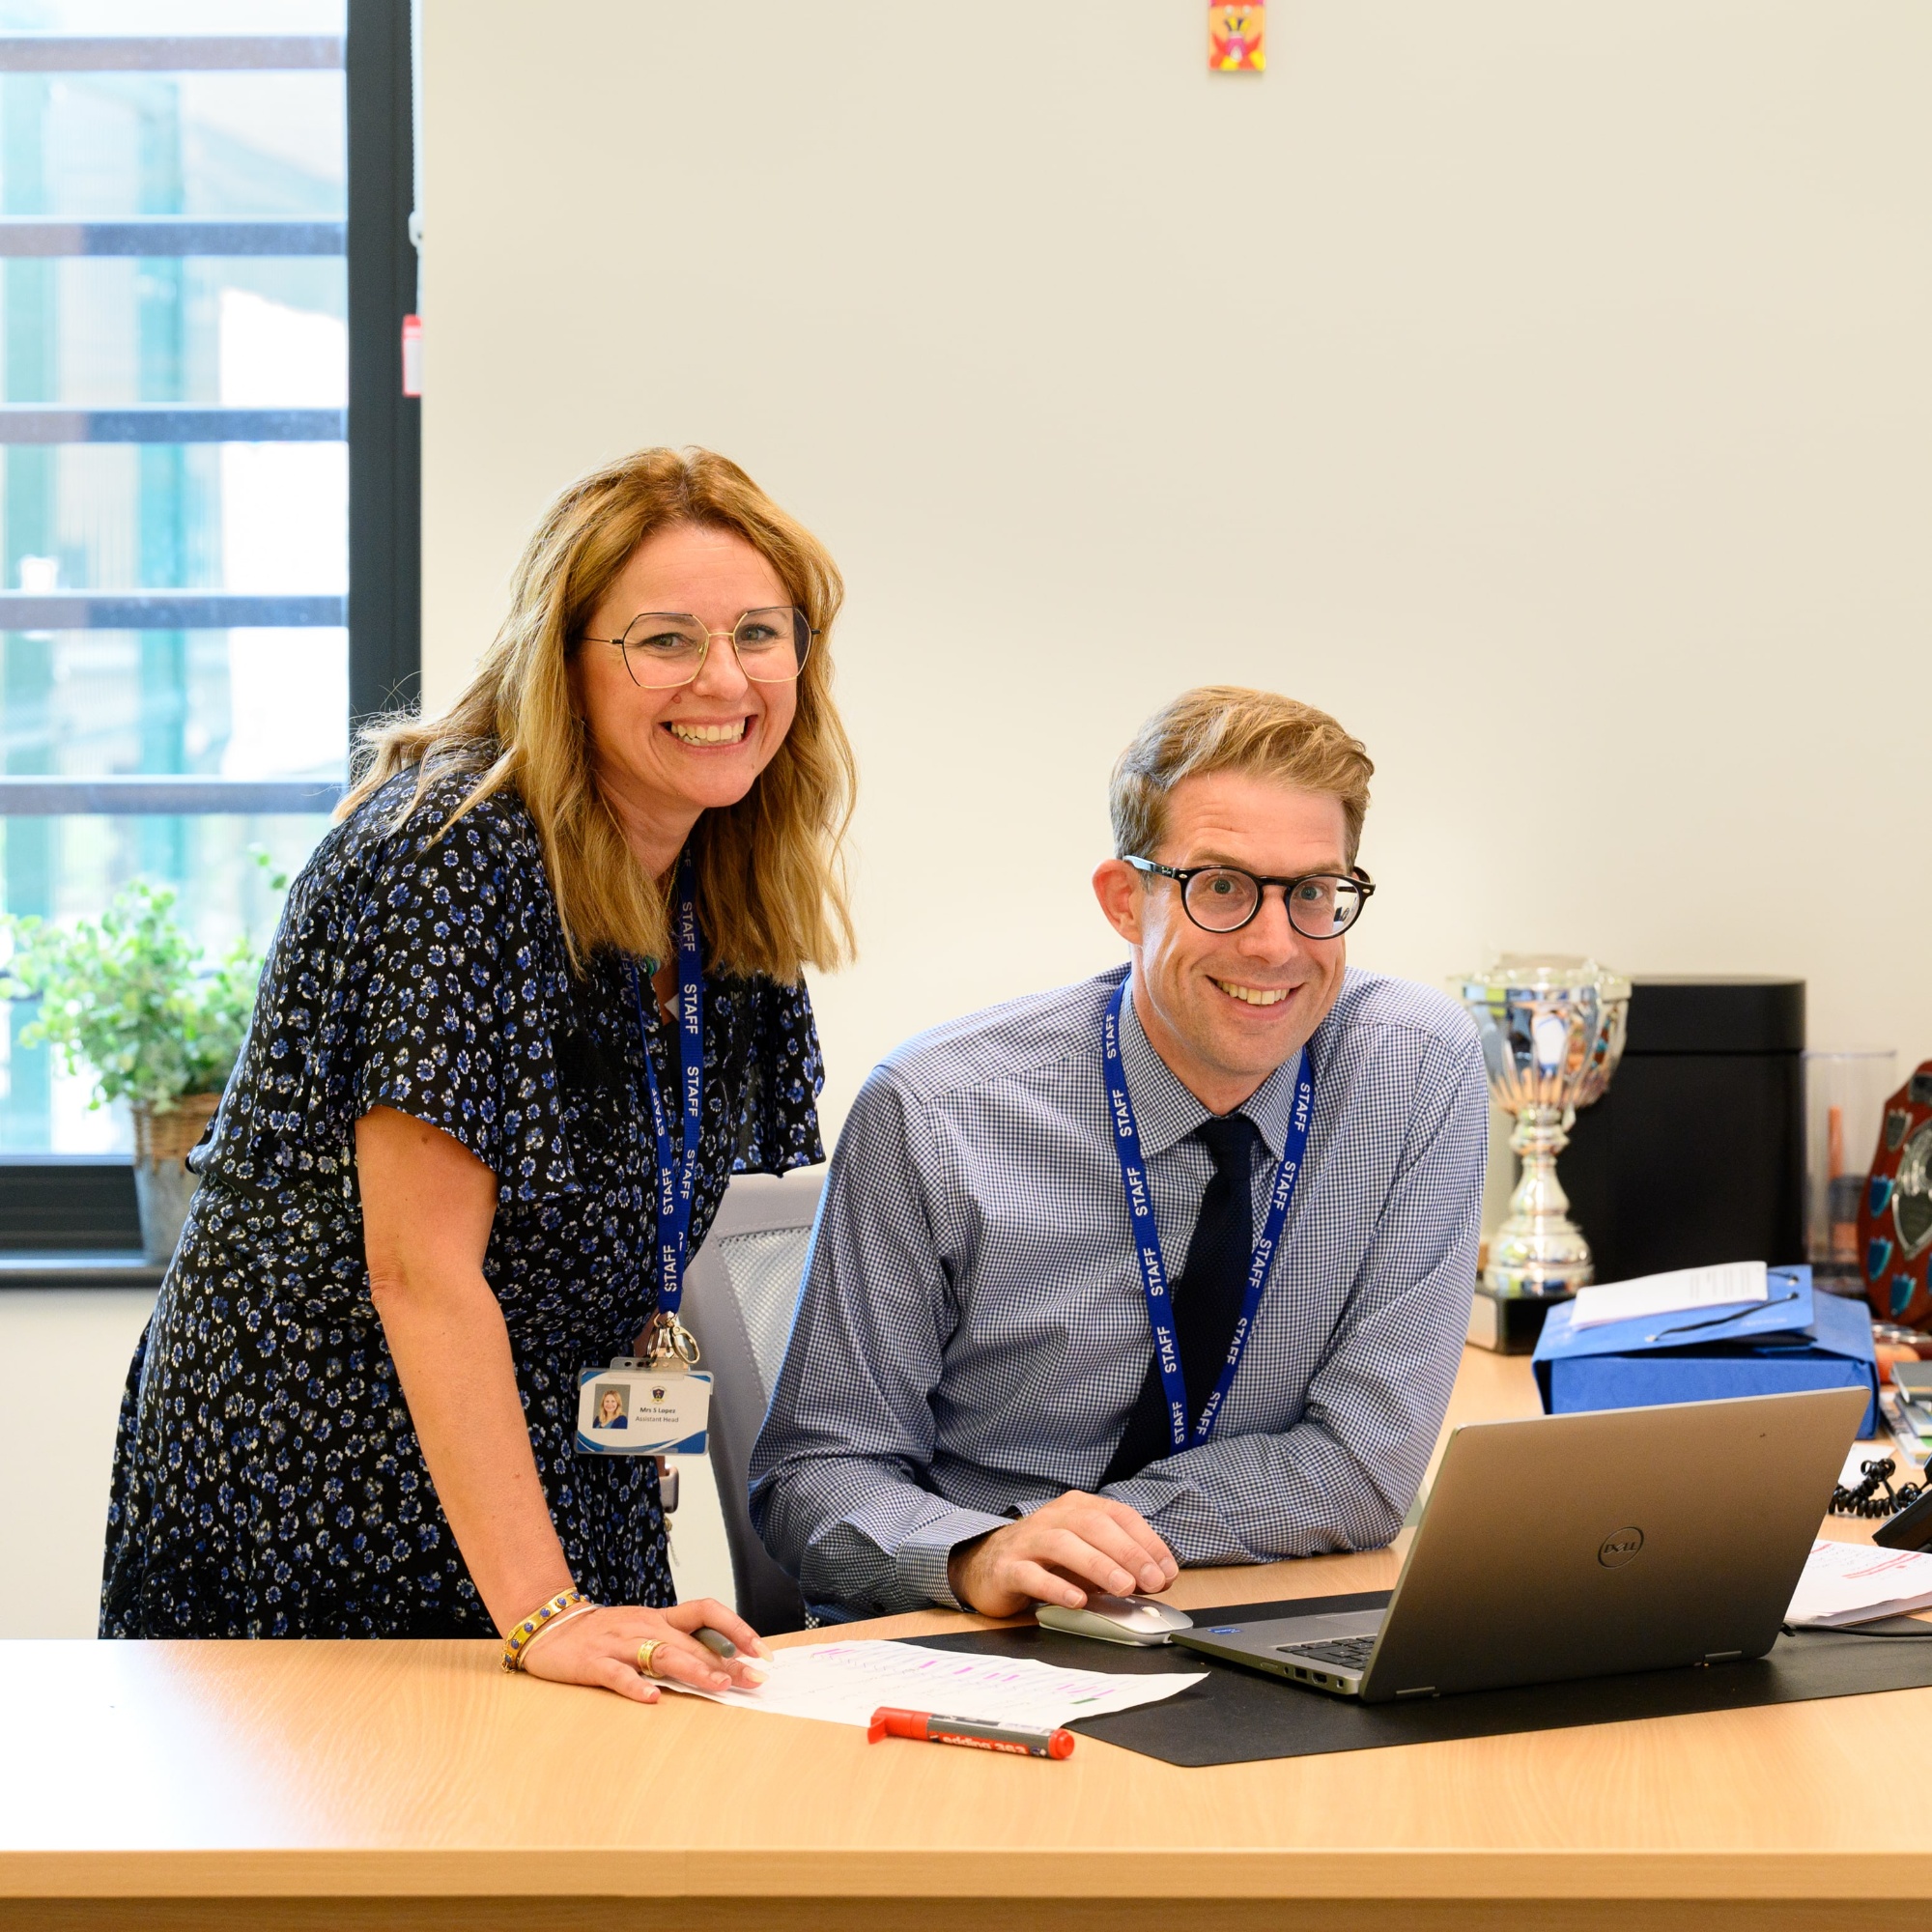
[[1208, 1296]]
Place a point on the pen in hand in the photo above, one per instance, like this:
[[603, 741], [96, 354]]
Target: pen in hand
[[724, 1650]]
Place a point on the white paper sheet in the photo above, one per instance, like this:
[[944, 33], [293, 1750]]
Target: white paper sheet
[[1858, 1582], [1859, 1455], [1721, 1286], [845, 1683]]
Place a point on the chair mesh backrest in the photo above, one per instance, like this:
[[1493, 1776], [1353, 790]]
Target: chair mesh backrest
[[744, 1289], [765, 1271]]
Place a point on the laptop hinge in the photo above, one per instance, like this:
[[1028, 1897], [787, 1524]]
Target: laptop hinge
[[1419, 1690]]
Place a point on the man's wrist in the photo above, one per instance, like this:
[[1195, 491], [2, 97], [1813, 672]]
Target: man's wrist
[[924, 1557], [956, 1565]]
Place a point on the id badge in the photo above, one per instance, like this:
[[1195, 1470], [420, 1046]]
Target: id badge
[[636, 1407]]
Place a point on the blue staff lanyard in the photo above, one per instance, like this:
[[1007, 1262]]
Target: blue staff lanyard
[[676, 1177], [1146, 1237]]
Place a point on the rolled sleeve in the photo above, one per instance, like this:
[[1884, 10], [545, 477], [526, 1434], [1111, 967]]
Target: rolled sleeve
[[454, 1028]]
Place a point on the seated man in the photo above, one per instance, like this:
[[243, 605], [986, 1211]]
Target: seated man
[[990, 1397]]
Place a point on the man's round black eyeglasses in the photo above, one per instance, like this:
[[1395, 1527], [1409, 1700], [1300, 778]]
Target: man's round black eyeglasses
[[1224, 899]]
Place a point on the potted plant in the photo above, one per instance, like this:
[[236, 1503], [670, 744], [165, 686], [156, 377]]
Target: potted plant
[[133, 999]]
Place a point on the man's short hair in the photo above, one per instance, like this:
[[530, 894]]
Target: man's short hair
[[1224, 728]]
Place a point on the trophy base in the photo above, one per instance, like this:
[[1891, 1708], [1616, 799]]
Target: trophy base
[[1537, 1280], [1540, 1254]]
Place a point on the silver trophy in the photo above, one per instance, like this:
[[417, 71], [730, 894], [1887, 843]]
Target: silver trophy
[[1552, 1032]]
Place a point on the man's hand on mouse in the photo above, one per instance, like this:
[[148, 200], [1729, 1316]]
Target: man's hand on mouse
[[1063, 1552]]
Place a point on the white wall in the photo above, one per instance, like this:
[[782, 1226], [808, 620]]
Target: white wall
[[64, 1360], [1543, 388]]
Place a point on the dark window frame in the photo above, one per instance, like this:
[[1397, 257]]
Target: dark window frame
[[385, 425], [56, 1205]]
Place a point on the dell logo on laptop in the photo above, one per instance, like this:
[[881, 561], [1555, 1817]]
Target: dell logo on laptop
[[1619, 1546]]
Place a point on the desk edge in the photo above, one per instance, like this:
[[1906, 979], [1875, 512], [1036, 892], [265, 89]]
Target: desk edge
[[991, 1872]]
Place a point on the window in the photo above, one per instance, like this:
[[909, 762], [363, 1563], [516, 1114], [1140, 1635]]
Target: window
[[180, 315]]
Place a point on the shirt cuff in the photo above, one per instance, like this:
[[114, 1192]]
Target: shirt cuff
[[923, 1557]]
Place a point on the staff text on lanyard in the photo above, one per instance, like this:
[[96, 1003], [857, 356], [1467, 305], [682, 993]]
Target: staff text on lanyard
[[677, 1174]]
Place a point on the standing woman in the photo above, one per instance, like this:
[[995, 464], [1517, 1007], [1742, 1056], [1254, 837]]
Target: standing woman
[[431, 1196]]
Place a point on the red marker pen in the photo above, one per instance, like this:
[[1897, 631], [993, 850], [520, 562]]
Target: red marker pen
[[1021, 1740]]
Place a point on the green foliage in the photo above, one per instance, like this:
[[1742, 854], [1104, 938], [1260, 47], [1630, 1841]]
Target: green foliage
[[131, 998]]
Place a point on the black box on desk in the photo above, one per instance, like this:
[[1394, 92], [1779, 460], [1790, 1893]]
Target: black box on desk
[[1510, 1324], [1697, 1152]]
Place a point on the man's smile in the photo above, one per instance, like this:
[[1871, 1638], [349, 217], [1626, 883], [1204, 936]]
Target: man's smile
[[1253, 996]]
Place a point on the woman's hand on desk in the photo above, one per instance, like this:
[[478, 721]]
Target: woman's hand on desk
[[602, 1648], [1064, 1549]]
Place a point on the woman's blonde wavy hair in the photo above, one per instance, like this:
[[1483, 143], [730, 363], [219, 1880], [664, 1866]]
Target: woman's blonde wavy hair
[[771, 885]]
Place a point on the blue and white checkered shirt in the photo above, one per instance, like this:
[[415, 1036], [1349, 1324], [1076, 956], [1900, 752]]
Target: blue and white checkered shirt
[[973, 1330]]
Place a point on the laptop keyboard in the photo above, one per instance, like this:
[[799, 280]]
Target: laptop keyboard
[[1352, 1652]]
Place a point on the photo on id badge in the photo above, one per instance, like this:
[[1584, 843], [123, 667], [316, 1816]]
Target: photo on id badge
[[643, 1408]]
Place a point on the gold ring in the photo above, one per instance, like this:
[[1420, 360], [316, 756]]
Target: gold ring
[[647, 1656]]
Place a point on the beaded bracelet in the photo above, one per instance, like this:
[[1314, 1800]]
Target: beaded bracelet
[[517, 1640]]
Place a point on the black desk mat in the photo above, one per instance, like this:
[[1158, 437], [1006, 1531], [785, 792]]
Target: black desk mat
[[1238, 1716]]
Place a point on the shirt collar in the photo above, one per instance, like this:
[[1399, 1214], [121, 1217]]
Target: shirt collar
[[1167, 1113]]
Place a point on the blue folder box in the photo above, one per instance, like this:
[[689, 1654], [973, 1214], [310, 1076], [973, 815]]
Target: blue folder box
[[1793, 1340]]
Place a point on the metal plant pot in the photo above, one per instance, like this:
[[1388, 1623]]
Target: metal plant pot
[[163, 1186]]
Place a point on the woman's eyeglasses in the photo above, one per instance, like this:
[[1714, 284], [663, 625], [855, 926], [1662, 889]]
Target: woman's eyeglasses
[[665, 648]]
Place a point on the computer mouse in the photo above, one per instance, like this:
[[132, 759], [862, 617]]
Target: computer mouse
[[1138, 1620]]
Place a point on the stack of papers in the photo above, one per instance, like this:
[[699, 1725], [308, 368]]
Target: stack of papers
[[845, 1683], [1858, 1583], [1902, 1421], [1913, 1414], [1729, 1285]]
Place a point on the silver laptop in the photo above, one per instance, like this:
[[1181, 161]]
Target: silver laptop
[[1582, 1546]]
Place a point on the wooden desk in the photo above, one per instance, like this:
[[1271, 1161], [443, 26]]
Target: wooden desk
[[170, 1785]]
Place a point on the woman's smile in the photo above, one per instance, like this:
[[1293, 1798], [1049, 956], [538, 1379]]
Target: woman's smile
[[690, 731]]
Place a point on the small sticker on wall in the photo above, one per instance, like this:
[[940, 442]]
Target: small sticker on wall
[[1237, 38]]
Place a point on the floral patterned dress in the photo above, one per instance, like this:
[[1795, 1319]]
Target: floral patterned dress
[[266, 1480]]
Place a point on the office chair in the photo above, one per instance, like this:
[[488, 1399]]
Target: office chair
[[740, 1294]]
